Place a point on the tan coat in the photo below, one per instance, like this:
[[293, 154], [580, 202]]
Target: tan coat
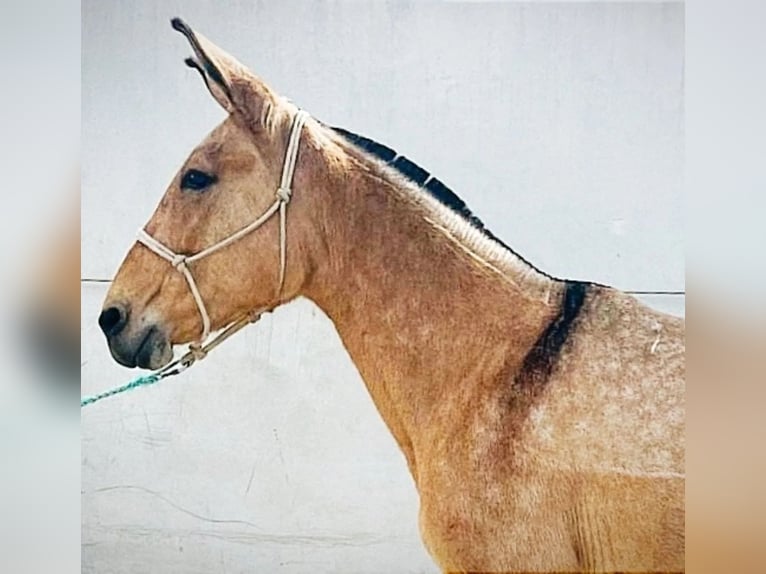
[[542, 420]]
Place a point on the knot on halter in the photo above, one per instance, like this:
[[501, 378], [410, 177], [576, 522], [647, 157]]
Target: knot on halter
[[197, 351], [284, 194], [178, 261]]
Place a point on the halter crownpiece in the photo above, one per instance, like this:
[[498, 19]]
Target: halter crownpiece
[[181, 262]]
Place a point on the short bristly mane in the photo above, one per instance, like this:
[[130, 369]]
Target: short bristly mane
[[475, 237]]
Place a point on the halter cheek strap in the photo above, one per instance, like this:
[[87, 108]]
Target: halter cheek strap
[[182, 262]]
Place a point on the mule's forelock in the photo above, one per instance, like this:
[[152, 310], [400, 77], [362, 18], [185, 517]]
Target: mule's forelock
[[232, 85]]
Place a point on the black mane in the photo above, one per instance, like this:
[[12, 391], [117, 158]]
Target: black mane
[[426, 181], [418, 175]]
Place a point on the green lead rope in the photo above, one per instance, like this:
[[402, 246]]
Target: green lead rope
[[139, 382]]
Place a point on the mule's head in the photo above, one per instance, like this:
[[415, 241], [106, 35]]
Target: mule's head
[[226, 183]]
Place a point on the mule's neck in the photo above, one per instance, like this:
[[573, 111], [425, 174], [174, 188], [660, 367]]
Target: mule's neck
[[423, 306]]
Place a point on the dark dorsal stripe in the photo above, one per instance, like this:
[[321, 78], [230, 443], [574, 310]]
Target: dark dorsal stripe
[[425, 180], [418, 175], [543, 356]]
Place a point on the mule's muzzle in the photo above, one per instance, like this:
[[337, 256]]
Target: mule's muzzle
[[146, 346]]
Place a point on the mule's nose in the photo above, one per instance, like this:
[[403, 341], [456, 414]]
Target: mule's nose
[[113, 320]]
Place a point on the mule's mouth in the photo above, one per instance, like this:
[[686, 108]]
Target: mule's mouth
[[152, 350]]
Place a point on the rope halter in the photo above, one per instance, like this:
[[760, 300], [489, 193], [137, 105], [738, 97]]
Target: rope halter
[[182, 262]]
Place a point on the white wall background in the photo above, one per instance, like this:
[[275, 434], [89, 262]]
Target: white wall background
[[561, 125]]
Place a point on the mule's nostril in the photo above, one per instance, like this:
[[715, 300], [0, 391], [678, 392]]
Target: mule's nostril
[[112, 320]]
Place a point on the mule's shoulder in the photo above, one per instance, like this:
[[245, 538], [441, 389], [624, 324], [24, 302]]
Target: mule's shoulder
[[617, 390], [625, 343]]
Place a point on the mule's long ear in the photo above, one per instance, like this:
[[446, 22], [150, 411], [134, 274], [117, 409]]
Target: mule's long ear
[[233, 86]]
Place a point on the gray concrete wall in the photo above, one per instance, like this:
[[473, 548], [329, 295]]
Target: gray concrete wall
[[561, 125]]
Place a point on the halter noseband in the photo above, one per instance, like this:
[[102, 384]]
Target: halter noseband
[[181, 262]]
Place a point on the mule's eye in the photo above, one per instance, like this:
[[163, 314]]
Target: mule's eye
[[197, 180]]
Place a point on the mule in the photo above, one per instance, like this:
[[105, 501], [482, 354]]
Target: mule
[[542, 420]]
